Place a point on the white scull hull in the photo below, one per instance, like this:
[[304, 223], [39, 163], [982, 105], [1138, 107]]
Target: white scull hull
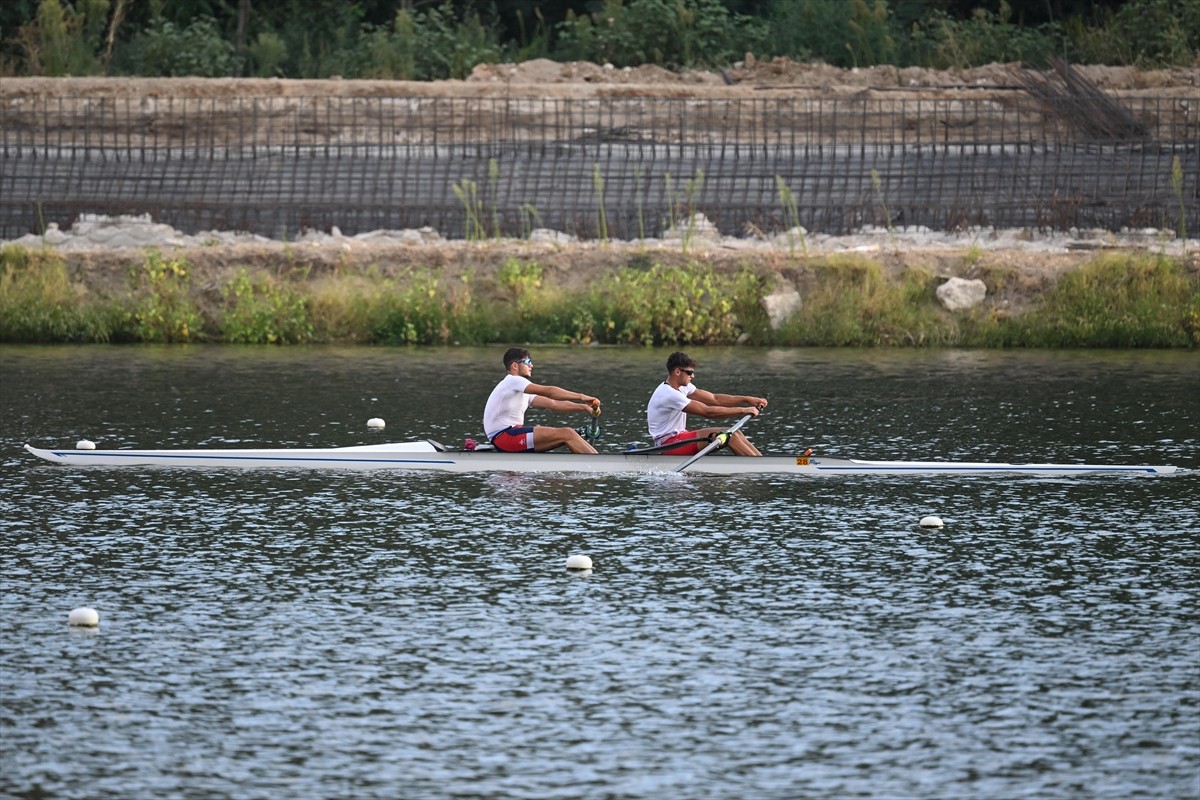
[[425, 456]]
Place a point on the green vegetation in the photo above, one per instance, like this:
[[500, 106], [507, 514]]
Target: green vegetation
[[1126, 300], [40, 303], [161, 303], [658, 304], [428, 309], [850, 303], [791, 216], [1117, 301], [424, 41], [262, 309]]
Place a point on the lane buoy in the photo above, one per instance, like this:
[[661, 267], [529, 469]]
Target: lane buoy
[[579, 562], [375, 422], [85, 444], [84, 618], [931, 522]]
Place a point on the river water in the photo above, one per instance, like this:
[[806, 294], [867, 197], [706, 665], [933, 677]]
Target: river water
[[388, 635]]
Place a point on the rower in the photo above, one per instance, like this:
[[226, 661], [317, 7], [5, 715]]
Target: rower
[[678, 396], [504, 414]]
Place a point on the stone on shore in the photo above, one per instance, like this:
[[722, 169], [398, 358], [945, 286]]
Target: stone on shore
[[780, 306], [960, 294]]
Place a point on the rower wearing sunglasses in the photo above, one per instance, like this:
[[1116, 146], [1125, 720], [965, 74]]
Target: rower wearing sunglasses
[[677, 396], [504, 415]]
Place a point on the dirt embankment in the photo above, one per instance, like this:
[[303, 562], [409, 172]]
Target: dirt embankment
[[1030, 260], [1015, 271], [542, 78]]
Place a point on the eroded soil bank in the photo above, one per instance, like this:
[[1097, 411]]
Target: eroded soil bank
[[1018, 266]]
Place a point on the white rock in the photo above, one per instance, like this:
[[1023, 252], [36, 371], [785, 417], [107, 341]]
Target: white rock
[[780, 306], [695, 227], [84, 618], [793, 237], [959, 294], [53, 235], [547, 236]]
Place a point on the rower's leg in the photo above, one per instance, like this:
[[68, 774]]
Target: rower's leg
[[545, 438], [738, 443], [742, 446]]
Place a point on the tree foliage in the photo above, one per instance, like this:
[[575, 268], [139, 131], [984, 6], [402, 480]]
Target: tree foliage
[[427, 39]]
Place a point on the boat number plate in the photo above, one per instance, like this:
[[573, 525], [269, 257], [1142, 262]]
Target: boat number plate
[[801, 461]]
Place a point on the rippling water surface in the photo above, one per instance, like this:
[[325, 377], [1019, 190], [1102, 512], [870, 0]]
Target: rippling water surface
[[323, 634]]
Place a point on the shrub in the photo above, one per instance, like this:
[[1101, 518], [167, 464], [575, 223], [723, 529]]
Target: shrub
[[1145, 33], [424, 310], [851, 303], [64, 40], [268, 54], [264, 310], [664, 32], [1116, 301], [844, 34], [665, 305], [985, 37], [39, 303], [162, 309], [164, 49]]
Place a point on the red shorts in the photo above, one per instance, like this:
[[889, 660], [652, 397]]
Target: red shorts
[[694, 444], [514, 439]]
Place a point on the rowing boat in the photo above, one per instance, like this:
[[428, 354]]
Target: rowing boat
[[430, 455]]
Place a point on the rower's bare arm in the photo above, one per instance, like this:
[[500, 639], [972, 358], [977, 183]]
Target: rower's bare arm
[[560, 394], [717, 412], [566, 406], [740, 400]]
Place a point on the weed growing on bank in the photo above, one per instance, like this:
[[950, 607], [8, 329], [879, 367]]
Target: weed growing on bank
[[40, 303], [850, 303], [661, 305], [162, 306], [426, 308], [1116, 301], [1122, 301], [1119, 300], [262, 309]]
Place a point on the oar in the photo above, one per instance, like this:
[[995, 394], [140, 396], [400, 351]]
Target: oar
[[717, 441]]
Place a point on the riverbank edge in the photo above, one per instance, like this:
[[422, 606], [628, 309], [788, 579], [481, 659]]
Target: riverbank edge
[[598, 293]]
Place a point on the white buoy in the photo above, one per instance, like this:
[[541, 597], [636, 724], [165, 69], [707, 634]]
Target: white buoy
[[84, 618], [84, 444], [579, 562], [931, 522], [375, 422]]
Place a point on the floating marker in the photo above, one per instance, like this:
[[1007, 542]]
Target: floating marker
[[375, 422], [84, 444], [579, 562], [931, 522], [84, 618]]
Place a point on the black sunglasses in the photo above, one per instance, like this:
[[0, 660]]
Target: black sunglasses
[[691, 372]]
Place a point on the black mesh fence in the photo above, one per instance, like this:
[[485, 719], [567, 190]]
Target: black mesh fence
[[615, 167]]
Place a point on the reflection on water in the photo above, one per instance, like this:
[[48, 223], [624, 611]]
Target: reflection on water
[[309, 634]]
